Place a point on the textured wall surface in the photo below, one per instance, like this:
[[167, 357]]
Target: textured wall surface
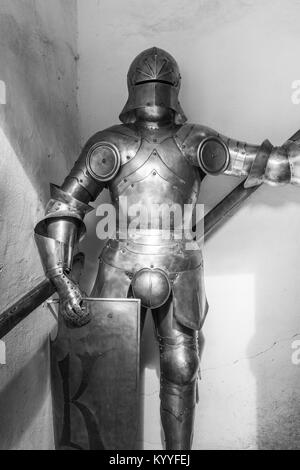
[[238, 60], [38, 143]]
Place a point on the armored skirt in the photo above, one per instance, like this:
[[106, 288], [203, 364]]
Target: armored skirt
[[153, 270]]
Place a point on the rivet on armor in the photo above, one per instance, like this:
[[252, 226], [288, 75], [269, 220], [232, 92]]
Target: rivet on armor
[[154, 173], [128, 157]]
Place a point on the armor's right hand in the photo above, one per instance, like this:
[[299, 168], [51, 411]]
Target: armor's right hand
[[70, 301]]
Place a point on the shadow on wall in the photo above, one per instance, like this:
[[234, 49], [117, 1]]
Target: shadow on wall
[[276, 328], [276, 377], [33, 385], [38, 142], [249, 387], [39, 117]]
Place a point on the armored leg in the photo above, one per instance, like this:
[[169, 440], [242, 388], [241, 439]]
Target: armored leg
[[179, 365]]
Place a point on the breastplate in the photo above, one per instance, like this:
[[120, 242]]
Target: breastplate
[[155, 183]]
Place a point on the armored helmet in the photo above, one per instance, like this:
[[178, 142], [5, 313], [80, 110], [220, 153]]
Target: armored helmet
[[153, 79]]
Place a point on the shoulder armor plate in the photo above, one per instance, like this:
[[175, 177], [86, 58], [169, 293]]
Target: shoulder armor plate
[[124, 138], [189, 137], [102, 156], [103, 161], [213, 155]]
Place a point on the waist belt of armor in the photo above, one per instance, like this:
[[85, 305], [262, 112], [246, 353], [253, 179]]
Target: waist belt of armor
[[132, 256]]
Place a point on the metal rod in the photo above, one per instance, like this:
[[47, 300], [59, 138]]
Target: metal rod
[[24, 306], [39, 294], [226, 208]]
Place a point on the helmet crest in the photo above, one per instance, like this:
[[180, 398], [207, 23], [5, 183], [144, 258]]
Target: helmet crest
[[154, 64]]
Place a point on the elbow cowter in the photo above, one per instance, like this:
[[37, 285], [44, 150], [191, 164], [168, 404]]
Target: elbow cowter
[[276, 165], [284, 164], [60, 230], [278, 168], [294, 161]]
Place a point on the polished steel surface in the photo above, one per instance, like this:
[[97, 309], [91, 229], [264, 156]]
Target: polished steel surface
[[293, 149], [258, 168], [179, 365], [153, 80], [152, 286], [103, 161], [71, 301], [213, 156], [56, 256], [95, 378], [279, 167]]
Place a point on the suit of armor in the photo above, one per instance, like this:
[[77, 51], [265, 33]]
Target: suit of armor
[[153, 158]]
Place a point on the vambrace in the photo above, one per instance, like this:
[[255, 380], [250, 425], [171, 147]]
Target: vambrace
[[57, 234]]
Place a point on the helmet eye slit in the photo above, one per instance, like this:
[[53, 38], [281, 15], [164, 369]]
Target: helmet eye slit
[[154, 81]]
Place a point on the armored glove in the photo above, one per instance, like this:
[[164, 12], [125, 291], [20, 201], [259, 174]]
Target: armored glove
[[70, 297]]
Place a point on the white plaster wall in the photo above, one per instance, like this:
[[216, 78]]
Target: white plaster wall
[[38, 144], [238, 60]]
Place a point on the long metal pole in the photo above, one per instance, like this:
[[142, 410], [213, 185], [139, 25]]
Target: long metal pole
[[226, 208], [24, 306]]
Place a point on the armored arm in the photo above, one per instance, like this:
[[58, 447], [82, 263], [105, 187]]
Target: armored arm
[[63, 227], [216, 154], [265, 164]]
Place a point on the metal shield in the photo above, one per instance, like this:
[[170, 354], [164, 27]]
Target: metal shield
[[95, 378]]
